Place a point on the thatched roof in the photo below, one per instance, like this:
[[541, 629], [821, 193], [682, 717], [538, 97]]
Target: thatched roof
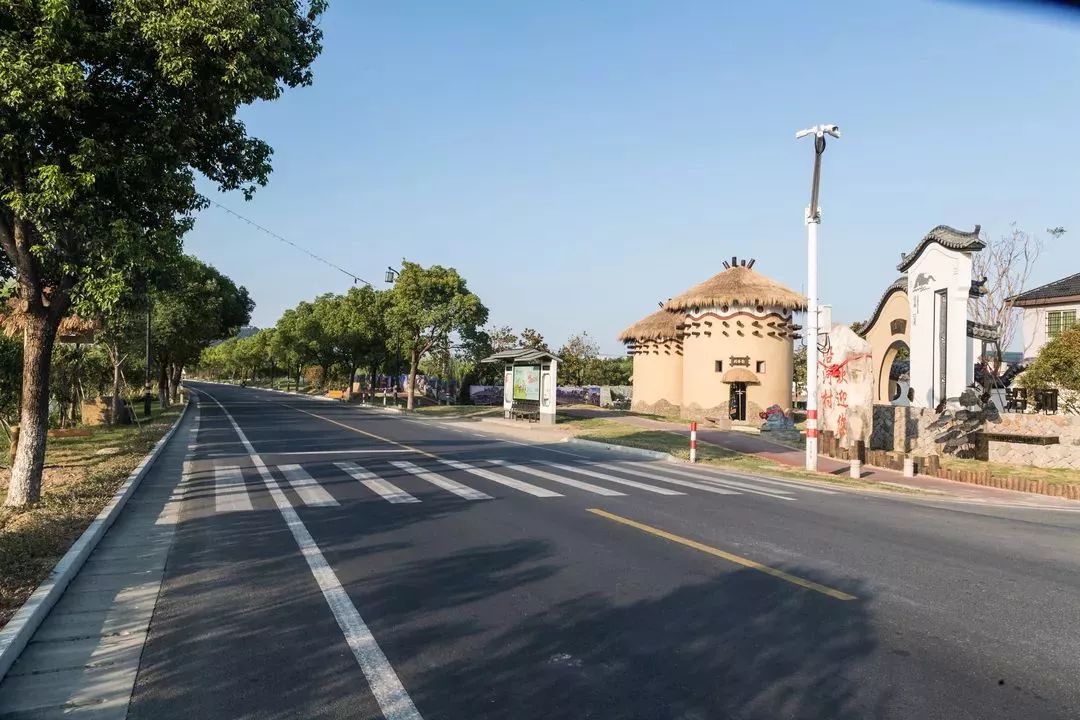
[[737, 285], [661, 325], [72, 328], [739, 375]]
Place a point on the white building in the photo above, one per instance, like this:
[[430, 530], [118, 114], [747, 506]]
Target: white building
[[1048, 310]]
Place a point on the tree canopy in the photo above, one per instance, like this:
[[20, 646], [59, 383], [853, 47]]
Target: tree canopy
[[107, 112], [427, 305]]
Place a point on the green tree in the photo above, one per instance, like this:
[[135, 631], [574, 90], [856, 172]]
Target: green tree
[[427, 306], [107, 112], [298, 337], [533, 340], [1058, 366], [574, 358], [196, 306]]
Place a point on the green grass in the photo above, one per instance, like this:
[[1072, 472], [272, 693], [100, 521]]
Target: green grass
[[1055, 476], [78, 483]]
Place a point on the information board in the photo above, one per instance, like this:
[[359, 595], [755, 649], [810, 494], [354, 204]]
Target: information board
[[526, 382]]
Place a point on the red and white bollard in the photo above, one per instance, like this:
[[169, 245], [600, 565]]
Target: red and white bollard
[[693, 442]]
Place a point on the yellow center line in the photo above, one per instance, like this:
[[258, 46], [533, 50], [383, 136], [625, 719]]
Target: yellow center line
[[738, 560], [362, 432]]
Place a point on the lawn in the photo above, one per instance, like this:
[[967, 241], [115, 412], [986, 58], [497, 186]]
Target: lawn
[[1053, 476], [78, 483]]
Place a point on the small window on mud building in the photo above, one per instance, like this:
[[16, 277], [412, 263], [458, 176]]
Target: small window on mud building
[[719, 366]]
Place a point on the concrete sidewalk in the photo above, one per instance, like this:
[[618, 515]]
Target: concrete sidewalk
[[83, 659]]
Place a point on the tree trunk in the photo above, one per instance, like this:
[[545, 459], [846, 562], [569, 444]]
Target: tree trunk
[[163, 384], [414, 361], [176, 372], [118, 414], [39, 337]]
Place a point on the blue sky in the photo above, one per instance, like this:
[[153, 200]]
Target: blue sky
[[578, 162]]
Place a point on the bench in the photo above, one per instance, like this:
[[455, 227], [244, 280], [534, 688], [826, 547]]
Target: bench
[[525, 409]]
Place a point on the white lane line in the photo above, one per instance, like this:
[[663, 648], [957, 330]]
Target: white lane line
[[672, 481], [615, 479], [393, 700], [387, 490], [589, 487], [712, 479], [439, 481], [312, 493], [230, 493], [502, 479]]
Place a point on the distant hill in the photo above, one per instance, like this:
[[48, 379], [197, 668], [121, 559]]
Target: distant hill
[[246, 331]]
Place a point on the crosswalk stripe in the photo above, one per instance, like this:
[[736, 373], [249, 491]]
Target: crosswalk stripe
[[559, 479], [439, 481], [312, 493], [614, 479], [682, 483], [786, 484], [387, 490], [502, 479], [230, 494], [742, 487]]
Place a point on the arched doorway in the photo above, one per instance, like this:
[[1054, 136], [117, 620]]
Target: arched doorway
[[893, 375]]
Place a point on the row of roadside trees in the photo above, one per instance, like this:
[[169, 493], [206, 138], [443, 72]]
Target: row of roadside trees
[[108, 113], [428, 323]]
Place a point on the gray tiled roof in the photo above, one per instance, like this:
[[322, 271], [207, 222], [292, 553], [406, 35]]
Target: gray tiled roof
[[1065, 287], [946, 236]]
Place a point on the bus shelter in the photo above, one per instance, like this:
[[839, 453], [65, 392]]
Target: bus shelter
[[529, 381]]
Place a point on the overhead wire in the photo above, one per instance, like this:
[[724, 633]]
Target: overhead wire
[[271, 233]]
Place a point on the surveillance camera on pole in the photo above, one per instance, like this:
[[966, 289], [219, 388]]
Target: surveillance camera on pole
[[813, 219]]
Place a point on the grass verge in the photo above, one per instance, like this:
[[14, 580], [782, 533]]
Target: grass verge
[[616, 433], [78, 482], [1051, 476]]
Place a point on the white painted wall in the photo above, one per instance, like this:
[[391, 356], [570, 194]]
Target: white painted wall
[[1033, 327], [935, 269]]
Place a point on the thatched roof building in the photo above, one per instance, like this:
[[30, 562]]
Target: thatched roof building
[[73, 329], [737, 285], [661, 325]]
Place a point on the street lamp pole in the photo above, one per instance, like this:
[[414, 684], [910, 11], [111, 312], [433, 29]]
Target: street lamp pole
[[813, 219]]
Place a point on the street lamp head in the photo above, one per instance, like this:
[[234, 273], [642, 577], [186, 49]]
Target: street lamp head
[[819, 131], [391, 275]]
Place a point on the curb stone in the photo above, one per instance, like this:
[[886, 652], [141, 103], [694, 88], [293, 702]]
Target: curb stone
[[22, 626], [639, 452]]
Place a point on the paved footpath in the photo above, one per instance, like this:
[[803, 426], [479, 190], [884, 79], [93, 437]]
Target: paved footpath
[[316, 560], [82, 661]]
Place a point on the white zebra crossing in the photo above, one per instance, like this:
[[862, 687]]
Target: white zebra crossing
[[521, 485], [588, 487], [734, 484], [437, 480], [312, 493], [385, 489], [614, 479], [716, 490], [230, 493]]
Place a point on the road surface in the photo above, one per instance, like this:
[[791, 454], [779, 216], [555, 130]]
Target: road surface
[[332, 562]]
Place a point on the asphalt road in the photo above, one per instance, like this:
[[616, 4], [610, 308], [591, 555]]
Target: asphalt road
[[525, 581]]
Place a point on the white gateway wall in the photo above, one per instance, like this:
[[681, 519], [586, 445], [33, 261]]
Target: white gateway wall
[[939, 282]]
